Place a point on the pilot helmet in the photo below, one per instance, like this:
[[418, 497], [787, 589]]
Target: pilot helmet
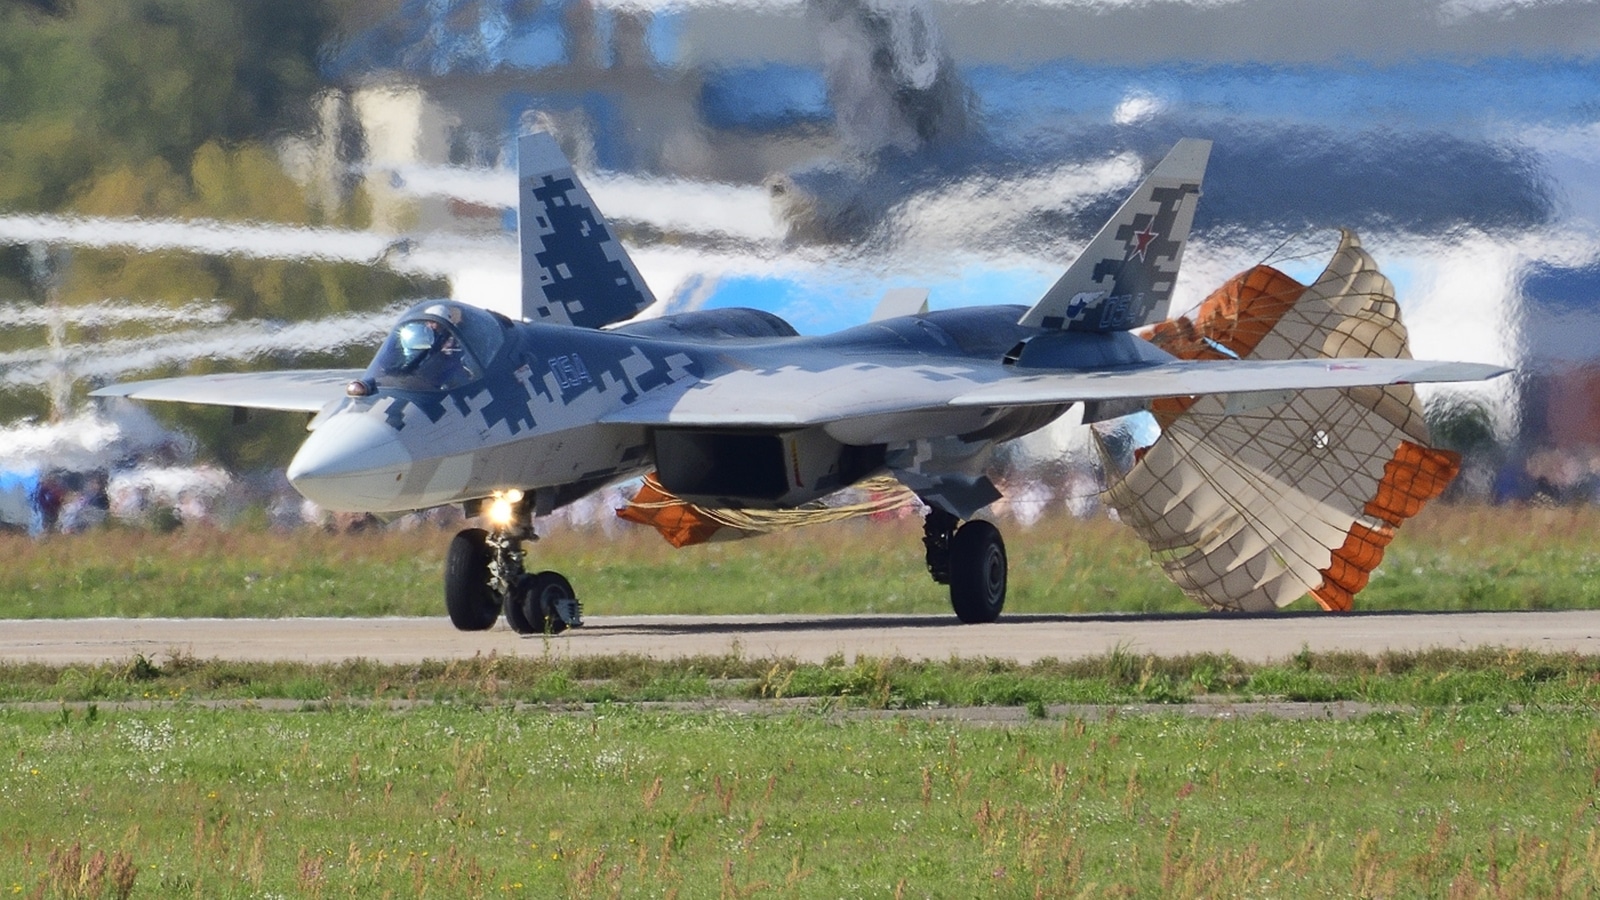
[[451, 314], [416, 338]]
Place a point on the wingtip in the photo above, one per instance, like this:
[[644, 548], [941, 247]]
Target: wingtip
[[1462, 372]]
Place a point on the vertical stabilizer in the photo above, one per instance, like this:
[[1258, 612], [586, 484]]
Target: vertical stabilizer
[[574, 270], [1124, 279]]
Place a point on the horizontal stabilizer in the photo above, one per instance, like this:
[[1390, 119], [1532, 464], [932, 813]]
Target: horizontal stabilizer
[[574, 270], [1124, 279]]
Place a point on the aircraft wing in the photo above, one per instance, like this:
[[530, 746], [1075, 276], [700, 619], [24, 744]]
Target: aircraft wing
[[1184, 378], [305, 390], [794, 397]]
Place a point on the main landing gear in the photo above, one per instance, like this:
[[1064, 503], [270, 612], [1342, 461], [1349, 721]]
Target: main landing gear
[[484, 575], [971, 559]]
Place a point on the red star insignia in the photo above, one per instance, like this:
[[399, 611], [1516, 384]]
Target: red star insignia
[[1142, 241]]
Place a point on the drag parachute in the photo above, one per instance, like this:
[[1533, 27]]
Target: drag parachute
[[1249, 501], [684, 524]]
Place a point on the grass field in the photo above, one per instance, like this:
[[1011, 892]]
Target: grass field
[[1448, 558], [458, 802], [1435, 678], [1476, 773]]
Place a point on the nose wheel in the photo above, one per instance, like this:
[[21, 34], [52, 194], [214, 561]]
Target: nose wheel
[[469, 598], [484, 575], [542, 603]]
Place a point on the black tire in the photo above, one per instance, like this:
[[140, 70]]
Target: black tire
[[531, 608], [519, 616], [977, 572], [473, 605]]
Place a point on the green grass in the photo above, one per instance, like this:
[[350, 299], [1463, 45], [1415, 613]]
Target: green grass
[[1480, 776], [1448, 558], [1435, 678], [460, 802]]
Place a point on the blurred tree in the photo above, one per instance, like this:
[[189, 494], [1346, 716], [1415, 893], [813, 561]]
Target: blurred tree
[[246, 182], [173, 108], [1463, 424], [147, 187], [1466, 425], [180, 73], [99, 86], [45, 78], [51, 7]]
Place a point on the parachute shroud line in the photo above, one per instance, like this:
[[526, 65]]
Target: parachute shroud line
[[684, 524]]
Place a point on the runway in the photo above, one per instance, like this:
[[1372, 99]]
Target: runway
[[1023, 638]]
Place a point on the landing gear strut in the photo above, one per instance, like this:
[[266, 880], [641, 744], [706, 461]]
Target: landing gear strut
[[484, 575], [937, 530], [971, 559]]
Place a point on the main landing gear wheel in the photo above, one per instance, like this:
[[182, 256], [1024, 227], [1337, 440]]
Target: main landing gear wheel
[[470, 599], [977, 572], [542, 604]]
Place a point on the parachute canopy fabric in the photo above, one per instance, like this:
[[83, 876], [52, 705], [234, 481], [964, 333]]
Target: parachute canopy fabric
[[1251, 501], [683, 523], [680, 522]]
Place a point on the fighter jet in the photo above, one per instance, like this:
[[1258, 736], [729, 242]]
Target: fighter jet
[[734, 409]]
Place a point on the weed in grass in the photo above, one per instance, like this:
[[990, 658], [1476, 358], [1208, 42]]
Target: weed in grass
[[1121, 668], [69, 875], [1430, 678]]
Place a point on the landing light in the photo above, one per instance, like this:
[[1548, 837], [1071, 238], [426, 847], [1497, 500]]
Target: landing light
[[502, 510]]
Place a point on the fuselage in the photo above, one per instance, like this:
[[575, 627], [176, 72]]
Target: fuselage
[[535, 407]]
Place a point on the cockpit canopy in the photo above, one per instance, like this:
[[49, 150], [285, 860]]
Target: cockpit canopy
[[438, 346]]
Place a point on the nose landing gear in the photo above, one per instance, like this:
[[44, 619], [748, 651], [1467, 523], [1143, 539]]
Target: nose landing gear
[[484, 576]]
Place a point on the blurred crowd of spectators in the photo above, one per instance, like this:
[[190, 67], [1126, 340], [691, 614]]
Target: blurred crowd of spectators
[[59, 501]]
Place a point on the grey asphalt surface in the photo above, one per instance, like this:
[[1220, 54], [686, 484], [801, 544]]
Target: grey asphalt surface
[[1023, 638]]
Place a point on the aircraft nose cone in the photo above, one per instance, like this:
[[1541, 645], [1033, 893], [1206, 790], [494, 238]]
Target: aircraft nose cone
[[351, 463]]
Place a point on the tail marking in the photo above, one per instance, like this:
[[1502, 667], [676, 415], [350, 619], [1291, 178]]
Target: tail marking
[[1124, 279], [574, 270]]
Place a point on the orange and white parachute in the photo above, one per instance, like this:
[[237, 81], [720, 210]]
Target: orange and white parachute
[[1251, 501], [684, 524]]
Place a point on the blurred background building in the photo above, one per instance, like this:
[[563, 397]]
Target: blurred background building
[[799, 156]]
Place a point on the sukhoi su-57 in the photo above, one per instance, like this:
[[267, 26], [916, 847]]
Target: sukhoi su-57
[[1291, 443]]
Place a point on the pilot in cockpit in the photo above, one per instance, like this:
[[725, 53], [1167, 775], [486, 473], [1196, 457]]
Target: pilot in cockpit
[[430, 351], [436, 347]]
